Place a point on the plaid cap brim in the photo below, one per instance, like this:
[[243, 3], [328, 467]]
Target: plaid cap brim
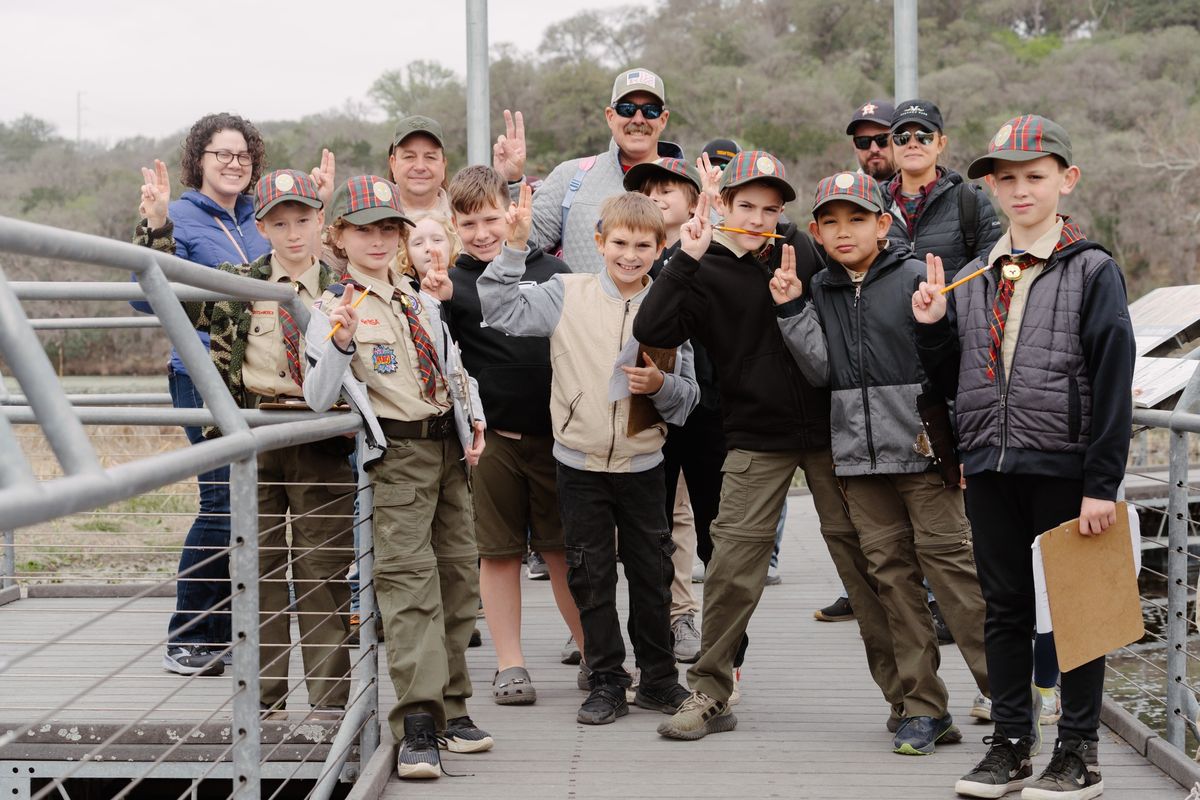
[[288, 198], [640, 173], [368, 215], [789, 194], [874, 208], [984, 164]]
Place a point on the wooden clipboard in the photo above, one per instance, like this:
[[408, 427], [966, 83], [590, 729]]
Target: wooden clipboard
[[642, 413], [1092, 589]]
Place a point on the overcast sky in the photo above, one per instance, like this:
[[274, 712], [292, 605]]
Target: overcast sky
[[152, 67]]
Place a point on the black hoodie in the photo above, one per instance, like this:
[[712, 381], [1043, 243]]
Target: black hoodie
[[723, 303], [513, 371]]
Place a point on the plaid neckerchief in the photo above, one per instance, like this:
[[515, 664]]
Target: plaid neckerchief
[[1071, 233], [291, 344], [428, 366]]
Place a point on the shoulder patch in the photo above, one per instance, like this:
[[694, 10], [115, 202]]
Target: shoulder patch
[[336, 289]]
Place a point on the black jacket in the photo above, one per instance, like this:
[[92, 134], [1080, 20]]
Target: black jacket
[[938, 226], [723, 303], [706, 373], [857, 339], [513, 371]]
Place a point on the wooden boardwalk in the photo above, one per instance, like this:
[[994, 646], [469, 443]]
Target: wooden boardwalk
[[811, 722]]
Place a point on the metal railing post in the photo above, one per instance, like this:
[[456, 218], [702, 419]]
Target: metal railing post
[[368, 609], [243, 575], [8, 561], [1177, 588]]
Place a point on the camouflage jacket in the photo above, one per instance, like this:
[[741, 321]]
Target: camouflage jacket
[[228, 321]]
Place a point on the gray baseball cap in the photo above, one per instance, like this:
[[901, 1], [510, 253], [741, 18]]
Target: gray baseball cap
[[638, 79]]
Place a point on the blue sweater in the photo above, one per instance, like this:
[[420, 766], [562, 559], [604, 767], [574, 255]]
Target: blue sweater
[[199, 239]]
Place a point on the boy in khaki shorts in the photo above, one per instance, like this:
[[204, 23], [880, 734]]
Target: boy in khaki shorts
[[426, 576], [515, 495], [259, 353]]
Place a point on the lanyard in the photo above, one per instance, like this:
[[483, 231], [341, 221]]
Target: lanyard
[[232, 240]]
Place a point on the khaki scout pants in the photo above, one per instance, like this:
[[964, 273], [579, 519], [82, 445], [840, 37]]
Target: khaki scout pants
[[683, 533], [304, 479], [910, 526], [426, 576], [753, 492]]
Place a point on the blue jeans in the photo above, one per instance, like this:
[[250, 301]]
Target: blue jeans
[[208, 585]]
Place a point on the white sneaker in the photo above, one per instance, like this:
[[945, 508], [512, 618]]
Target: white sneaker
[[1051, 714], [698, 570], [981, 708]]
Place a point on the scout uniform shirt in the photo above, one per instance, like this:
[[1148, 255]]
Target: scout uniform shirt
[[386, 360], [1042, 249], [265, 367]]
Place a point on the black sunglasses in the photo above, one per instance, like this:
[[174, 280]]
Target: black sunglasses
[[864, 142], [925, 138], [649, 110]]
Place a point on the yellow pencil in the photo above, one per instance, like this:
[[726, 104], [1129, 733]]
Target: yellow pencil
[[357, 300], [750, 233], [961, 281]]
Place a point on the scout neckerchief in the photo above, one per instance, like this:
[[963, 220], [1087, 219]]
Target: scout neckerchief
[[291, 341], [428, 367], [1011, 268]]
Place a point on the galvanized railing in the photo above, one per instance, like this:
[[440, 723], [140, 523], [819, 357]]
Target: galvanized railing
[[80, 484]]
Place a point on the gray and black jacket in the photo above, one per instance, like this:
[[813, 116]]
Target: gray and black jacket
[[1066, 408], [857, 339], [938, 227]]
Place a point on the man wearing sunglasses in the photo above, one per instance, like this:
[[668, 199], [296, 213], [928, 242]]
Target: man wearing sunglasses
[[870, 131], [567, 205]]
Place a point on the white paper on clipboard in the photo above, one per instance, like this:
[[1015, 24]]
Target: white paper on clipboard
[[1042, 598]]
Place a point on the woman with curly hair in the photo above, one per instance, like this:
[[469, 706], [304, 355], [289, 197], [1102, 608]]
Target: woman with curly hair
[[212, 223]]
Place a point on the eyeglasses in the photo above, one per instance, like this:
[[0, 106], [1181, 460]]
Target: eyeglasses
[[226, 157], [924, 138], [649, 110], [864, 142]]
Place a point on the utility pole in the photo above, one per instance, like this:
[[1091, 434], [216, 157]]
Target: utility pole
[[478, 92], [905, 45]]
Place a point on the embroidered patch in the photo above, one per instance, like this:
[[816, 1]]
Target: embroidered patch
[[411, 302], [869, 108], [284, 182], [765, 165], [383, 359], [844, 180], [1002, 136], [383, 192]]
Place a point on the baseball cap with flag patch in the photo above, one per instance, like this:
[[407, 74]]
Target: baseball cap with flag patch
[[1023, 139], [672, 168], [757, 165], [853, 187], [284, 185], [364, 199], [638, 79]]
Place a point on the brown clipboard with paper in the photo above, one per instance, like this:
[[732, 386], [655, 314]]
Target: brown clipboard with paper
[[642, 413], [1092, 586]]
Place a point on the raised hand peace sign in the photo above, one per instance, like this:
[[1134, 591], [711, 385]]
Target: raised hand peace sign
[[928, 301], [508, 154], [437, 278], [156, 195], [785, 286], [520, 219], [710, 177], [323, 176], [696, 234]]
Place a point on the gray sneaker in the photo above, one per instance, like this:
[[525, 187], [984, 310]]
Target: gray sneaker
[[697, 717], [570, 652], [686, 637]]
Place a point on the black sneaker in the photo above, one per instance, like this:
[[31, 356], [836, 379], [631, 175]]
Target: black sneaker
[[944, 636], [535, 567], [604, 704], [418, 757], [1004, 769], [1073, 774], [476, 639], [837, 611], [918, 736], [192, 659], [666, 698], [462, 736]]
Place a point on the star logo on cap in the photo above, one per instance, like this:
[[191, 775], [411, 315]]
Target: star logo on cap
[[844, 180], [765, 165], [284, 182], [383, 193], [869, 108]]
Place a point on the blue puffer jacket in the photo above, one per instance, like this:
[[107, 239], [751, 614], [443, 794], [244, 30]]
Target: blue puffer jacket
[[199, 239]]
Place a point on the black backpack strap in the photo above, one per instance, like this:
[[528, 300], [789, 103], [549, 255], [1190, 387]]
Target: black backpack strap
[[968, 215]]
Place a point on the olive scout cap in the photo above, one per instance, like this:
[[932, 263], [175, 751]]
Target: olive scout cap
[[853, 187], [639, 79], [923, 112], [1023, 139], [284, 185], [676, 169], [757, 165], [415, 123], [364, 199]]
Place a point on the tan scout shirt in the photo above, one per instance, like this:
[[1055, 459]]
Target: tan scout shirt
[[265, 367], [1042, 249], [386, 360]]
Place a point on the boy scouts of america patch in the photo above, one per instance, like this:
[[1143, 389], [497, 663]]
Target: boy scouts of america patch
[[383, 359]]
